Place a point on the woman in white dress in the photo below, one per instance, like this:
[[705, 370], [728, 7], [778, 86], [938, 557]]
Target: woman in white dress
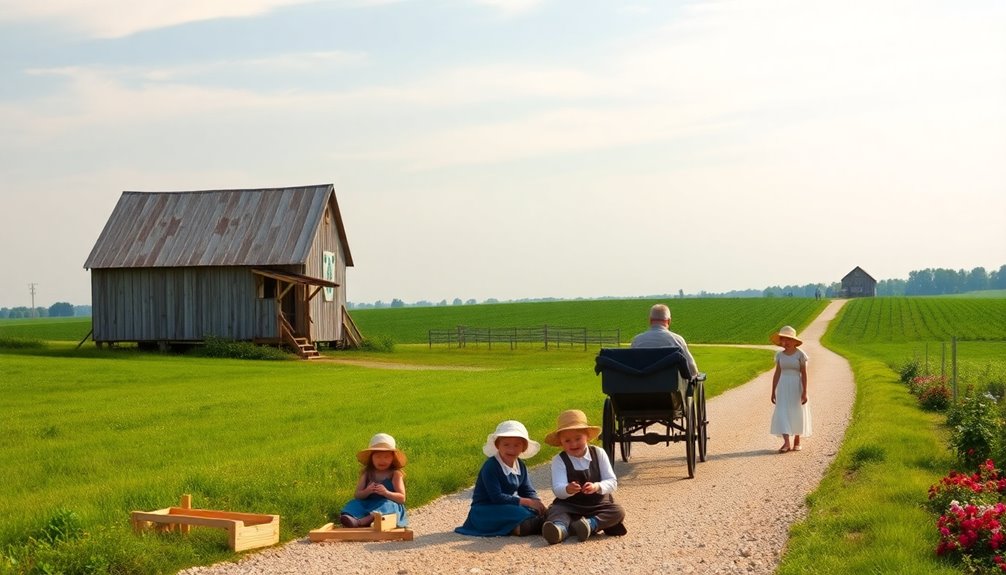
[[789, 390]]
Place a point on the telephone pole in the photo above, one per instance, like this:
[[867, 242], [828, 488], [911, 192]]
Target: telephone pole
[[31, 288]]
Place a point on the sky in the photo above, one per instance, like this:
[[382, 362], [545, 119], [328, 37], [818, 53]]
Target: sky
[[516, 149]]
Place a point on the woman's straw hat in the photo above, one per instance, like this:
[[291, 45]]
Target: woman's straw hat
[[382, 442], [786, 331], [511, 428], [572, 419]]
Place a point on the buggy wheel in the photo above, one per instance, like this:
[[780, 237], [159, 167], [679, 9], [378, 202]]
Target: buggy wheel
[[608, 429], [690, 437], [700, 410], [625, 446]]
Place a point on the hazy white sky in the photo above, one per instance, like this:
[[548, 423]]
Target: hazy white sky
[[521, 148]]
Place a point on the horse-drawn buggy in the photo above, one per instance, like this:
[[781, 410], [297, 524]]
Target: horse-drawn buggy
[[651, 387]]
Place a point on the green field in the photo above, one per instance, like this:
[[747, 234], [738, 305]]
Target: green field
[[896, 330], [748, 320]]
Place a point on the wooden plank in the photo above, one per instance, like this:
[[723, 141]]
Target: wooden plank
[[384, 528]]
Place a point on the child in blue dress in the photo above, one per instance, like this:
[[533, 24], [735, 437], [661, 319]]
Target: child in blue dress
[[504, 502], [381, 486]]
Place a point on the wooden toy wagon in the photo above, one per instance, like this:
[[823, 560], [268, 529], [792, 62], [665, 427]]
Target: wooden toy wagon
[[245, 530], [648, 387]]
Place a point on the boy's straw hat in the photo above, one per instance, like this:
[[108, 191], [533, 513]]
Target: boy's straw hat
[[511, 428], [786, 331], [572, 419], [382, 442]]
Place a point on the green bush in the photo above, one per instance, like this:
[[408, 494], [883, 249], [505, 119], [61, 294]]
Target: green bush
[[381, 343], [217, 347], [975, 428], [909, 370], [7, 342]]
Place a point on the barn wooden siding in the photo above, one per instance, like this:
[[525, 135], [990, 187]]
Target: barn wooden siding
[[327, 324], [177, 266], [179, 304]]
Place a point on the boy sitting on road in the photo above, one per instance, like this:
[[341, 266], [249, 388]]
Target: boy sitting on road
[[583, 481]]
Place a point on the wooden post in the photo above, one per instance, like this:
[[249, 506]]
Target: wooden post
[[943, 360], [953, 362], [185, 503]]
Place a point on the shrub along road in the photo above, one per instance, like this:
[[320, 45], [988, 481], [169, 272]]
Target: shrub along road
[[733, 517]]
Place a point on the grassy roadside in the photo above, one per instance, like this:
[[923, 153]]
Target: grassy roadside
[[867, 515]]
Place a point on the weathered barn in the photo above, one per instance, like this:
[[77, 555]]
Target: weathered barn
[[858, 283], [262, 265]]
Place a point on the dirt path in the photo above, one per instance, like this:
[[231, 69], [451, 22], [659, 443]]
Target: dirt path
[[733, 517]]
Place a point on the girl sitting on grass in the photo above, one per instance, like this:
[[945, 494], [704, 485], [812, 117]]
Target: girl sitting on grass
[[381, 486]]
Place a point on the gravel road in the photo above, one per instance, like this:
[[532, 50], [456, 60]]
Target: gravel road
[[733, 517]]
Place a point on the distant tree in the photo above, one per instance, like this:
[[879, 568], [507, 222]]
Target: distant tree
[[681, 293], [4, 312], [491, 300], [471, 301], [61, 309], [423, 303], [978, 279], [380, 304], [397, 303], [442, 302], [890, 287], [457, 301], [999, 280]]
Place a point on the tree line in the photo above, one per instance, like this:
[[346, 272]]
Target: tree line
[[930, 281], [58, 309]]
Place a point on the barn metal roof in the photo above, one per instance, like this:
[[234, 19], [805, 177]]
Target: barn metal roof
[[259, 227]]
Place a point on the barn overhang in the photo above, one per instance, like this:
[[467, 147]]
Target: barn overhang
[[293, 279]]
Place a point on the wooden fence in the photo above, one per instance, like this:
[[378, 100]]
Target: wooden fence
[[548, 335]]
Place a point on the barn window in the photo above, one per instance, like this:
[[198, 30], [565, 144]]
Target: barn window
[[266, 288]]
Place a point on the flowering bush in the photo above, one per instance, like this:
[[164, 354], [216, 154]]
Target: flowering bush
[[985, 487], [920, 383], [975, 533], [975, 428], [935, 397]]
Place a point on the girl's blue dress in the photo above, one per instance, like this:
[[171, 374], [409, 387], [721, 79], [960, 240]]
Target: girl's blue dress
[[496, 507], [362, 507]]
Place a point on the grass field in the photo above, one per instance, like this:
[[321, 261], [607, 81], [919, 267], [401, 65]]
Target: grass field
[[748, 320]]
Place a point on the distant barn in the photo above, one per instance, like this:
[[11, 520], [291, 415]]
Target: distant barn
[[261, 265], [858, 283]]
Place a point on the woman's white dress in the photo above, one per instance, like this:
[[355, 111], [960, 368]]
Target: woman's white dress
[[790, 416]]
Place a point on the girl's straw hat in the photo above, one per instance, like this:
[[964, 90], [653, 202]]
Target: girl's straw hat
[[382, 442], [511, 428], [572, 419], [786, 331]]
